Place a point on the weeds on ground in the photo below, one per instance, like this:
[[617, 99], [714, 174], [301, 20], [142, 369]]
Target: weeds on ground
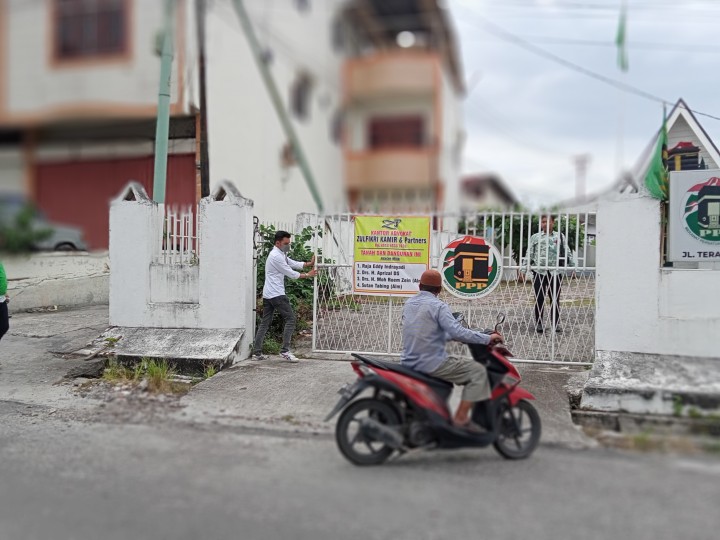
[[677, 406], [117, 373], [209, 371], [642, 441], [712, 448], [157, 373]]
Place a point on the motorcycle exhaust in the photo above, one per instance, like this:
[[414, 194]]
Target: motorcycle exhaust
[[374, 430]]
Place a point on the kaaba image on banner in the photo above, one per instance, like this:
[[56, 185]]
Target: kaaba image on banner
[[471, 263], [709, 207]]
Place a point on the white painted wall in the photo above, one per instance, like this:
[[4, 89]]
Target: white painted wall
[[217, 293], [641, 307], [35, 85], [56, 279], [246, 138]]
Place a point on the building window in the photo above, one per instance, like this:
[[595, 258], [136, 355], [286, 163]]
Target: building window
[[300, 96], [396, 132], [337, 126], [90, 28]]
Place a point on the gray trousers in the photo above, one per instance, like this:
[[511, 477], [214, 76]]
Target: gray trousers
[[469, 374], [282, 305]]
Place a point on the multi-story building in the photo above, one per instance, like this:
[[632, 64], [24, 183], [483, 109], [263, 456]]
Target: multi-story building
[[402, 91], [372, 88]]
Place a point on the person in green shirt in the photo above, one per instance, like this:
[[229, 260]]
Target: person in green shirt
[[547, 256], [4, 317]]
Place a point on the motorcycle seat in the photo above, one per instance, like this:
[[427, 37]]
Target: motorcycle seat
[[434, 382]]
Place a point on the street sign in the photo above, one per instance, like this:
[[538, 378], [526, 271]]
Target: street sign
[[694, 216]]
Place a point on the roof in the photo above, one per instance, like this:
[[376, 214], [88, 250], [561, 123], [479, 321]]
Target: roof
[[632, 180], [493, 180], [680, 110]]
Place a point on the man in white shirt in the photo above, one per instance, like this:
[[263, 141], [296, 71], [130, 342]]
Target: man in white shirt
[[277, 267]]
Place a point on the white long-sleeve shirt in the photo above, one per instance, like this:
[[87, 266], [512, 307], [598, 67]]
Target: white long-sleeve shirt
[[277, 266]]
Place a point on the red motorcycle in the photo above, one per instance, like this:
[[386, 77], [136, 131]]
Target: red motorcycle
[[408, 411]]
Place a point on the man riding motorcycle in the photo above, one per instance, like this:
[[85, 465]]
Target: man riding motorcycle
[[428, 324]]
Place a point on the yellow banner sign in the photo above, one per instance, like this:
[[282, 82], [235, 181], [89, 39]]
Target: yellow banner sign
[[391, 253]]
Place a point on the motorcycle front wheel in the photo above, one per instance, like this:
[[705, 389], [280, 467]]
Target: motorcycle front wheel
[[518, 430], [353, 444]]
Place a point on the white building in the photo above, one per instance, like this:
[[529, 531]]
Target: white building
[[78, 97], [403, 86]]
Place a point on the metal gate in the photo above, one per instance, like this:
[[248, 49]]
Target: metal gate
[[345, 322]]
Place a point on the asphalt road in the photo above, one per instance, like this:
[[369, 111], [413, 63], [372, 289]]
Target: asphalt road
[[64, 479]]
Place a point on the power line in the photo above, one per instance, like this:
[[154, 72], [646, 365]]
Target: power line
[[520, 42], [695, 48], [506, 128]]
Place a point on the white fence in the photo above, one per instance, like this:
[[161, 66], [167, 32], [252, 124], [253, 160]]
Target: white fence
[[345, 322], [178, 237]]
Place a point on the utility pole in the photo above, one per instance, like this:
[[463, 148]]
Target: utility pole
[[200, 10], [581, 164], [162, 130], [277, 102]]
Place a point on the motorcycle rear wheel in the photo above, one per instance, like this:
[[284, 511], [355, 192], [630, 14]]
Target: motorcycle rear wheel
[[351, 441], [517, 439]]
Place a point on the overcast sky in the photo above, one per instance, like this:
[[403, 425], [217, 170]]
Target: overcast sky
[[527, 116]]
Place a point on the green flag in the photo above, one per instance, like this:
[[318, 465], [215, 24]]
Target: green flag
[[656, 179], [620, 40]]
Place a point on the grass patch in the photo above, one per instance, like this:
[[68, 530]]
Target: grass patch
[[578, 302], [712, 448], [117, 373], [290, 419], [642, 441], [157, 373], [210, 371]]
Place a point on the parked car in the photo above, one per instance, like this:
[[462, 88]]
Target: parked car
[[63, 237]]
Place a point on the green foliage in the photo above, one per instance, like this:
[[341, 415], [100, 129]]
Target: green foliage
[[678, 405], [110, 342], [19, 235], [159, 374], [115, 372], [210, 371], [271, 344]]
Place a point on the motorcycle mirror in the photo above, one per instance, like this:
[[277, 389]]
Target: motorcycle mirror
[[500, 319], [458, 316]]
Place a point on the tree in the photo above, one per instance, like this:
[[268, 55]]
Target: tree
[[19, 234]]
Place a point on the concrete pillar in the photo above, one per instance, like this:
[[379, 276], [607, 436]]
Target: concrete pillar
[[134, 222], [227, 295], [627, 275]]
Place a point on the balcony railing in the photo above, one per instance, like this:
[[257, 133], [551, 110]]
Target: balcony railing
[[392, 74], [392, 168]]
